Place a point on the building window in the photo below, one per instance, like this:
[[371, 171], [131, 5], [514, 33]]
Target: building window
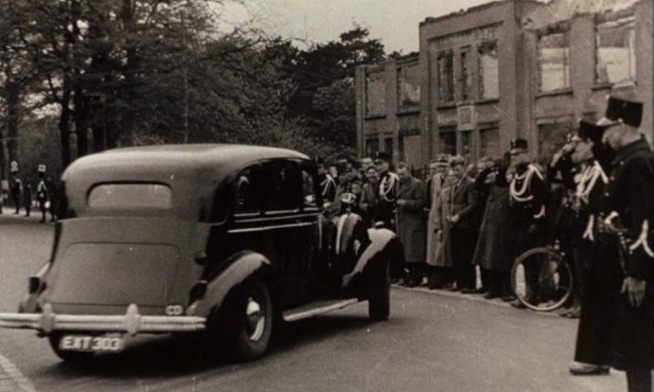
[[388, 145], [372, 147], [375, 95], [615, 51], [489, 143], [554, 61], [489, 75], [465, 78], [408, 87], [446, 77], [448, 140]]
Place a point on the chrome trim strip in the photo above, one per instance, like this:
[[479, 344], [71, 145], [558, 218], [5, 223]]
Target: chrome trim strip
[[282, 212], [292, 316], [271, 218], [131, 322], [274, 227]]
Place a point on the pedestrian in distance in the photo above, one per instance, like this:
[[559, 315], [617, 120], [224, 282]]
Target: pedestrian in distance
[[15, 186], [42, 192]]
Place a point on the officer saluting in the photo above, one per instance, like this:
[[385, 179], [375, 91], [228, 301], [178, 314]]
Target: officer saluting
[[389, 184], [527, 196], [625, 262], [595, 158]]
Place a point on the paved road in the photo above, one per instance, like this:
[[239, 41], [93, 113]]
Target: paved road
[[433, 342]]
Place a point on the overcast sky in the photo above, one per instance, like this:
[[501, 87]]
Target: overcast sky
[[395, 22]]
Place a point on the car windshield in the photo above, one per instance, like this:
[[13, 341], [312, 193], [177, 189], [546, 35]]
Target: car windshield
[[130, 196]]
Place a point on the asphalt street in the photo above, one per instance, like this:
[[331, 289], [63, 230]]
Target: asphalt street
[[434, 341]]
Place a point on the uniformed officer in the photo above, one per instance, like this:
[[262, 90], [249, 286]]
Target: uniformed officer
[[387, 193], [593, 157], [623, 268], [42, 192], [327, 183], [15, 185], [527, 196]]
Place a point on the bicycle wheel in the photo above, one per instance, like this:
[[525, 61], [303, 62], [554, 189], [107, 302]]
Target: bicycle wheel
[[541, 279]]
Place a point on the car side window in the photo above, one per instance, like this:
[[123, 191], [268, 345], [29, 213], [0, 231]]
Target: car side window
[[248, 197], [284, 186]]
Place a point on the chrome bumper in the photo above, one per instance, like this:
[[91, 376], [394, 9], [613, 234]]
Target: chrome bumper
[[131, 322]]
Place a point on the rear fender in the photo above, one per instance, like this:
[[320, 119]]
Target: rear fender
[[384, 246], [241, 267]]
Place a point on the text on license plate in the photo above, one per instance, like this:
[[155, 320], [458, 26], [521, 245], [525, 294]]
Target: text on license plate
[[105, 343]]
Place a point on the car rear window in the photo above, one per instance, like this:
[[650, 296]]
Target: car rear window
[[130, 196]]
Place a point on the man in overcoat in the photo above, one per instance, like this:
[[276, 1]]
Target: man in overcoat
[[411, 225], [623, 269], [464, 226], [439, 168]]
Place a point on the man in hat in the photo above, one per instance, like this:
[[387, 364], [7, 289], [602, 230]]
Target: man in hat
[[410, 204], [624, 275], [463, 230], [591, 155], [437, 277], [387, 193], [42, 192], [327, 182], [527, 196], [15, 185]]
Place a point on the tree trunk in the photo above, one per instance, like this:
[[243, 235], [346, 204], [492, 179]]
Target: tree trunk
[[13, 102], [81, 115], [64, 121]]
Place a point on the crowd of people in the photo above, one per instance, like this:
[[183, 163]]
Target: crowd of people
[[21, 192], [595, 200]]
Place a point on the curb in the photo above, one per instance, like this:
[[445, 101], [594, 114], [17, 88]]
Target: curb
[[474, 298]]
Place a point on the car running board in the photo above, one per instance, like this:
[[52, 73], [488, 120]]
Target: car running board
[[317, 307]]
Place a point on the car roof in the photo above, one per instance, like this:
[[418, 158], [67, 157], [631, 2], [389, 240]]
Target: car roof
[[194, 171]]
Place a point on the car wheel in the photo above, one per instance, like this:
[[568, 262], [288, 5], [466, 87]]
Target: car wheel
[[247, 322], [68, 356], [378, 288]]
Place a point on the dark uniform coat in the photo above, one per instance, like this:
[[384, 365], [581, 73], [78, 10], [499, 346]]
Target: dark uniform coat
[[492, 252], [411, 225], [527, 198], [623, 334], [386, 196]]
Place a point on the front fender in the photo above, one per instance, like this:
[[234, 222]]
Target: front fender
[[240, 268], [384, 246]]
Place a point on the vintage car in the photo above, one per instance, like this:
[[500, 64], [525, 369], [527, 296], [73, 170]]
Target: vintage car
[[223, 239]]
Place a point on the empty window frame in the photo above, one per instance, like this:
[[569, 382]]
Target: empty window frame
[[554, 61], [446, 77], [615, 51], [489, 75]]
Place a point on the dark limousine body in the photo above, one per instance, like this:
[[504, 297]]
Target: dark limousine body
[[183, 238]]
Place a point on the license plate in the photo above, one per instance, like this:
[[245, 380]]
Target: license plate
[[103, 343]]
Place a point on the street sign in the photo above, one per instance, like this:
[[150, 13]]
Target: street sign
[[466, 118]]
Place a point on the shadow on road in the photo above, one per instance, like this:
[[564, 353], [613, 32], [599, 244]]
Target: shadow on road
[[173, 356]]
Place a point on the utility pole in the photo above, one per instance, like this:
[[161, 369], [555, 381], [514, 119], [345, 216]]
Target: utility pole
[[185, 74]]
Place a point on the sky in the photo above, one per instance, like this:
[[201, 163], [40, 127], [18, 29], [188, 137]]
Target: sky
[[394, 22]]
